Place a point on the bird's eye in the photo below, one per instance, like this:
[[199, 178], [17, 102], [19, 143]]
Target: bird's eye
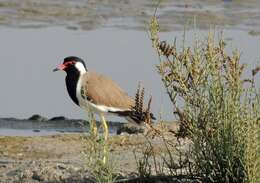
[[70, 63]]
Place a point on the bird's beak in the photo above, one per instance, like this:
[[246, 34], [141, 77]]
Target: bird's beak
[[59, 67]]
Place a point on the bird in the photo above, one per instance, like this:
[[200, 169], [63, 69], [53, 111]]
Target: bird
[[98, 93]]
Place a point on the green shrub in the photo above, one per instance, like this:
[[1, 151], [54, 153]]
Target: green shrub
[[217, 109]]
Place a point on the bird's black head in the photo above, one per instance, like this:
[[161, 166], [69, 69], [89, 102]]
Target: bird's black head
[[72, 64]]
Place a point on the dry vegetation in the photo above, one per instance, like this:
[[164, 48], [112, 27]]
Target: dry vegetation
[[217, 109]]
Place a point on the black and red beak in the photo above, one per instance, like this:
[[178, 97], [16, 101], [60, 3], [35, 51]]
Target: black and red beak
[[64, 66], [60, 67]]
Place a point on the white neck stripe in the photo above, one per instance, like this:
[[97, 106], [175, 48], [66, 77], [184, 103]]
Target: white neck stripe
[[80, 68]]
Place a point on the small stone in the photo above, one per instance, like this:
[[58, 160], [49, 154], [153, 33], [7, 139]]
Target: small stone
[[3, 166], [129, 129], [36, 176], [58, 118], [61, 167], [37, 117]]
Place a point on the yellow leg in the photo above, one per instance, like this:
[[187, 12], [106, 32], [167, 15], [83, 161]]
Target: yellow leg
[[105, 128]]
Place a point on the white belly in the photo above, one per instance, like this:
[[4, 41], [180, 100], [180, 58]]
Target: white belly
[[93, 107]]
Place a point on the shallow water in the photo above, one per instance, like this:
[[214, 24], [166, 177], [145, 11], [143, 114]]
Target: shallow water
[[27, 132], [16, 127], [28, 56]]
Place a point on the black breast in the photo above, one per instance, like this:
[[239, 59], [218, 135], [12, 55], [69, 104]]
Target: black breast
[[71, 84]]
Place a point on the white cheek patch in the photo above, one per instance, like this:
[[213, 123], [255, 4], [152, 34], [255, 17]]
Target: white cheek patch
[[80, 67]]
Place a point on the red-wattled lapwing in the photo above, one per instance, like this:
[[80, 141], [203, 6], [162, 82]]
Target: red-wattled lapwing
[[97, 92]]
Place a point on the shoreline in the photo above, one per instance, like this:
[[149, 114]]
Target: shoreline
[[37, 125]]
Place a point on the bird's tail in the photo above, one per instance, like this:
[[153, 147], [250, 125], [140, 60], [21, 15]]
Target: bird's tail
[[138, 114], [138, 118]]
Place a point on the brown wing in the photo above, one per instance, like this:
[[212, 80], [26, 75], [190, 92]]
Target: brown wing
[[104, 91]]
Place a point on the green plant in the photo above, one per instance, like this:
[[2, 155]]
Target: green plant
[[94, 152], [217, 109]]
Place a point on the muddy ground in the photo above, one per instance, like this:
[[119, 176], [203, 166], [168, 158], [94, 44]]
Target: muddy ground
[[130, 14], [63, 158]]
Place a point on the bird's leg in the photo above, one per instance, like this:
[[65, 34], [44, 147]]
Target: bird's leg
[[105, 128]]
